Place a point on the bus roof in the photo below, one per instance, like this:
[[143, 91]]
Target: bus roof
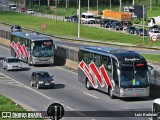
[[119, 53], [31, 35], [157, 101]]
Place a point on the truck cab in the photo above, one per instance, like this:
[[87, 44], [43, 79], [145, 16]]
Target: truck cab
[[87, 18], [12, 6]]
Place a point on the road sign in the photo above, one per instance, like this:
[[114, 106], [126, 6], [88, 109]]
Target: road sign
[[43, 25], [154, 38]]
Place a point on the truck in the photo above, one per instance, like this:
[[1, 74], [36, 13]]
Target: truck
[[12, 6], [87, 18], [117, 16], [154, 22]]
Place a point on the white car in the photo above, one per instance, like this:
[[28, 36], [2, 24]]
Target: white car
[[30, 11], [154, 32], [12, 63]]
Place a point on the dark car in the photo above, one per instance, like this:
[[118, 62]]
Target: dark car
[[106, 23], [16, 28], [66, 19], [42, 79], [139, 32], [117, 26], [131, 30], [74, 19]]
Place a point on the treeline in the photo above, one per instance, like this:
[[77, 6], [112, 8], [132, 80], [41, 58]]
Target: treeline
[[73, 3]]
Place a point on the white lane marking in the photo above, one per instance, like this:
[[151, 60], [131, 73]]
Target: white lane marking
[[90, 95], [69, 108], [149, 118], [29, 88], [81, 114], [20, 84], [2, 77]]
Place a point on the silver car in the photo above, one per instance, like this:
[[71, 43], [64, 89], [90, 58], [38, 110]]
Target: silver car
[[12, 63]]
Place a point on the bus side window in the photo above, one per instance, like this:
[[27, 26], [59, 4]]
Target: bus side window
[[106, 61], [115, 74], [86, 57], [97, 60]]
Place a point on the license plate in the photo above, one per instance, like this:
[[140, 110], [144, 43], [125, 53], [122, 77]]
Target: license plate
[[47, 83]]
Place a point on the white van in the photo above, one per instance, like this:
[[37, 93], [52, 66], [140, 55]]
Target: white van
[[12, 6], [87, 18], [156, 109]]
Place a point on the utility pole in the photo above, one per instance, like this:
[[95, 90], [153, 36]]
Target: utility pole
[[143, 23], [120, 5], [88, 5], [56, 10], [110, 5], [79, 18], [150, 5]]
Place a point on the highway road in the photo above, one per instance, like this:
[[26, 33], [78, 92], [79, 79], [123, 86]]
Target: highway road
[[68, 91]]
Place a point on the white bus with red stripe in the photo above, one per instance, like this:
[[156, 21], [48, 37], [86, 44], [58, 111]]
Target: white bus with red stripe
[[32, 48], [119, 72]]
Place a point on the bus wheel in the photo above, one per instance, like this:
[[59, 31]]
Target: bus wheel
[[88, 85], [111, 94]]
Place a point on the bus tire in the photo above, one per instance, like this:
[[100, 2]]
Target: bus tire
[[88, 85], [110, 93]]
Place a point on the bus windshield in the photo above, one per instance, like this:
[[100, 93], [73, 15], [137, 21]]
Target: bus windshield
[[132, 77], [42, 48]]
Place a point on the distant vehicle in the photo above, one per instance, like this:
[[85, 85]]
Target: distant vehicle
[[66, 19], [42, 79], [119, 72], [12, 7], [154, 32], [88, 18], [131, 30], [117, 26], [139, 31], [154, 21], [103, 22], [30, 11], [12, 63], [122, 17], [33, 48], [156, 109], [16, 28], [74, 19], [22, 10]]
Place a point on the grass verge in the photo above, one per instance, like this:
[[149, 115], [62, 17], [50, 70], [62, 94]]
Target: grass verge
[[152, 58], [8, 105], [70, 29]]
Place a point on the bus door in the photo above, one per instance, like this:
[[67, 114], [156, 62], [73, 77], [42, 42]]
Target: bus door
[[115, 80]]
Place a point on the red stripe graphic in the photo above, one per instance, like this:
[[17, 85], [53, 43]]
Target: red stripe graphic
[[106, 77], [20, 50], [96, 73], [24, 50], [15, 49], [86, 70], [100, 75]]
